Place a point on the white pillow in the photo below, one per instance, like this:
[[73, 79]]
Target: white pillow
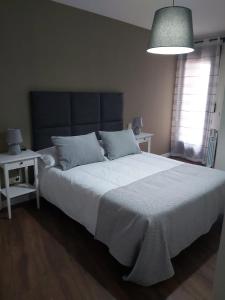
[[48, 157], [77, 150], [102, 149], [119, 143]]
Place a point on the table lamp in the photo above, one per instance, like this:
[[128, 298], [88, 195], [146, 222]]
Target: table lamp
[[137, 125], [14, 139]]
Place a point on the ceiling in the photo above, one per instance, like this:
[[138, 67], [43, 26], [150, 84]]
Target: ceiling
[[208, 15]]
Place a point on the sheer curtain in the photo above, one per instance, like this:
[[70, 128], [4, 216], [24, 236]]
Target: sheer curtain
[[195, 101]]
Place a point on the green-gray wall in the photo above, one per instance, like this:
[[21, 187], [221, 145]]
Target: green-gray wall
[[48, 46]]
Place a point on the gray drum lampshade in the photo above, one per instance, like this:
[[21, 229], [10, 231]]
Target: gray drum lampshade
[[172, 31], [14, 136], [137, 125], [14, 139]]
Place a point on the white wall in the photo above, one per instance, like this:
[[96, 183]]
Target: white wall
[[219, 284], [220, 154]]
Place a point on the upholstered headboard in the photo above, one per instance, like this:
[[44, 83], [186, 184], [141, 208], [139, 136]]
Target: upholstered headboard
[[73, 113]]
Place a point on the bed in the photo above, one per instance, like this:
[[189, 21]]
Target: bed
[[146, 208]]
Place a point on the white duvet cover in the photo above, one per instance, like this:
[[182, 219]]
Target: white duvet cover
[[77, 192]]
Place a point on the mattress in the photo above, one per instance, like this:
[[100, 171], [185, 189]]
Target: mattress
[[78, 191]]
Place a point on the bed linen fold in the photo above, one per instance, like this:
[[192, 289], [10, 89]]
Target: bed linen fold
[[148, 222]]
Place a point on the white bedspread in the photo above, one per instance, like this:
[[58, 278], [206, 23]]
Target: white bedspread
[[146, 223], [77, 192]]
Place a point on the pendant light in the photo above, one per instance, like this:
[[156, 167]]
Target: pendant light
[[172, 31]]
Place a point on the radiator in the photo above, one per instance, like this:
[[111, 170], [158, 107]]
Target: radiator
[[212, 144]]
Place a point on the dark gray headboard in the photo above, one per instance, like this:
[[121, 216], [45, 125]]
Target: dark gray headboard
[[73, 113]]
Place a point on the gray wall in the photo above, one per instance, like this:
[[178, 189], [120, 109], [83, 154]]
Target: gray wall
[[220, 154], [219, 282], [49, 46]]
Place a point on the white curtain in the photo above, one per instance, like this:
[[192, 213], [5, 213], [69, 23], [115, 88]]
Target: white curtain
[[194, 101]]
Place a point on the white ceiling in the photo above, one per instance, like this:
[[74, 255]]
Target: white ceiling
[[208, 15]]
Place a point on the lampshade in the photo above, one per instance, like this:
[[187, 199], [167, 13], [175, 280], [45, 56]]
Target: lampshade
[[172, 31], [137, 122], [137, 125], [14, 136]]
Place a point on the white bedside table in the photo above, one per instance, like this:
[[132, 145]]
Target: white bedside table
[[12, 162], [145, 137]]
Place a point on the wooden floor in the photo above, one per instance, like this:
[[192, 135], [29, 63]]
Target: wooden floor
[[45, 255]]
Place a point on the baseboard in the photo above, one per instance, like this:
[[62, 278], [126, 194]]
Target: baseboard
[[166, 154]]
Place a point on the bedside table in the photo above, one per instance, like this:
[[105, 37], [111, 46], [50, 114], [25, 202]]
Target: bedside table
[[12, 162], [144, 137]]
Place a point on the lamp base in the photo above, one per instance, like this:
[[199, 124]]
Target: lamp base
[[14, 149], [137, 130]]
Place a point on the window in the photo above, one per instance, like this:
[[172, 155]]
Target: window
[[194, 102]]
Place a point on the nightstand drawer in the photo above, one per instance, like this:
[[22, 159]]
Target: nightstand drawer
[[143, 140], [20, 164]]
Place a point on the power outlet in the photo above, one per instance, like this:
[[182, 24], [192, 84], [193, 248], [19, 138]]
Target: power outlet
[[14, 179]]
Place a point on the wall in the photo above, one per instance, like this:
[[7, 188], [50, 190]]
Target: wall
[[220, 154], [219, 282], [49, 46]]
